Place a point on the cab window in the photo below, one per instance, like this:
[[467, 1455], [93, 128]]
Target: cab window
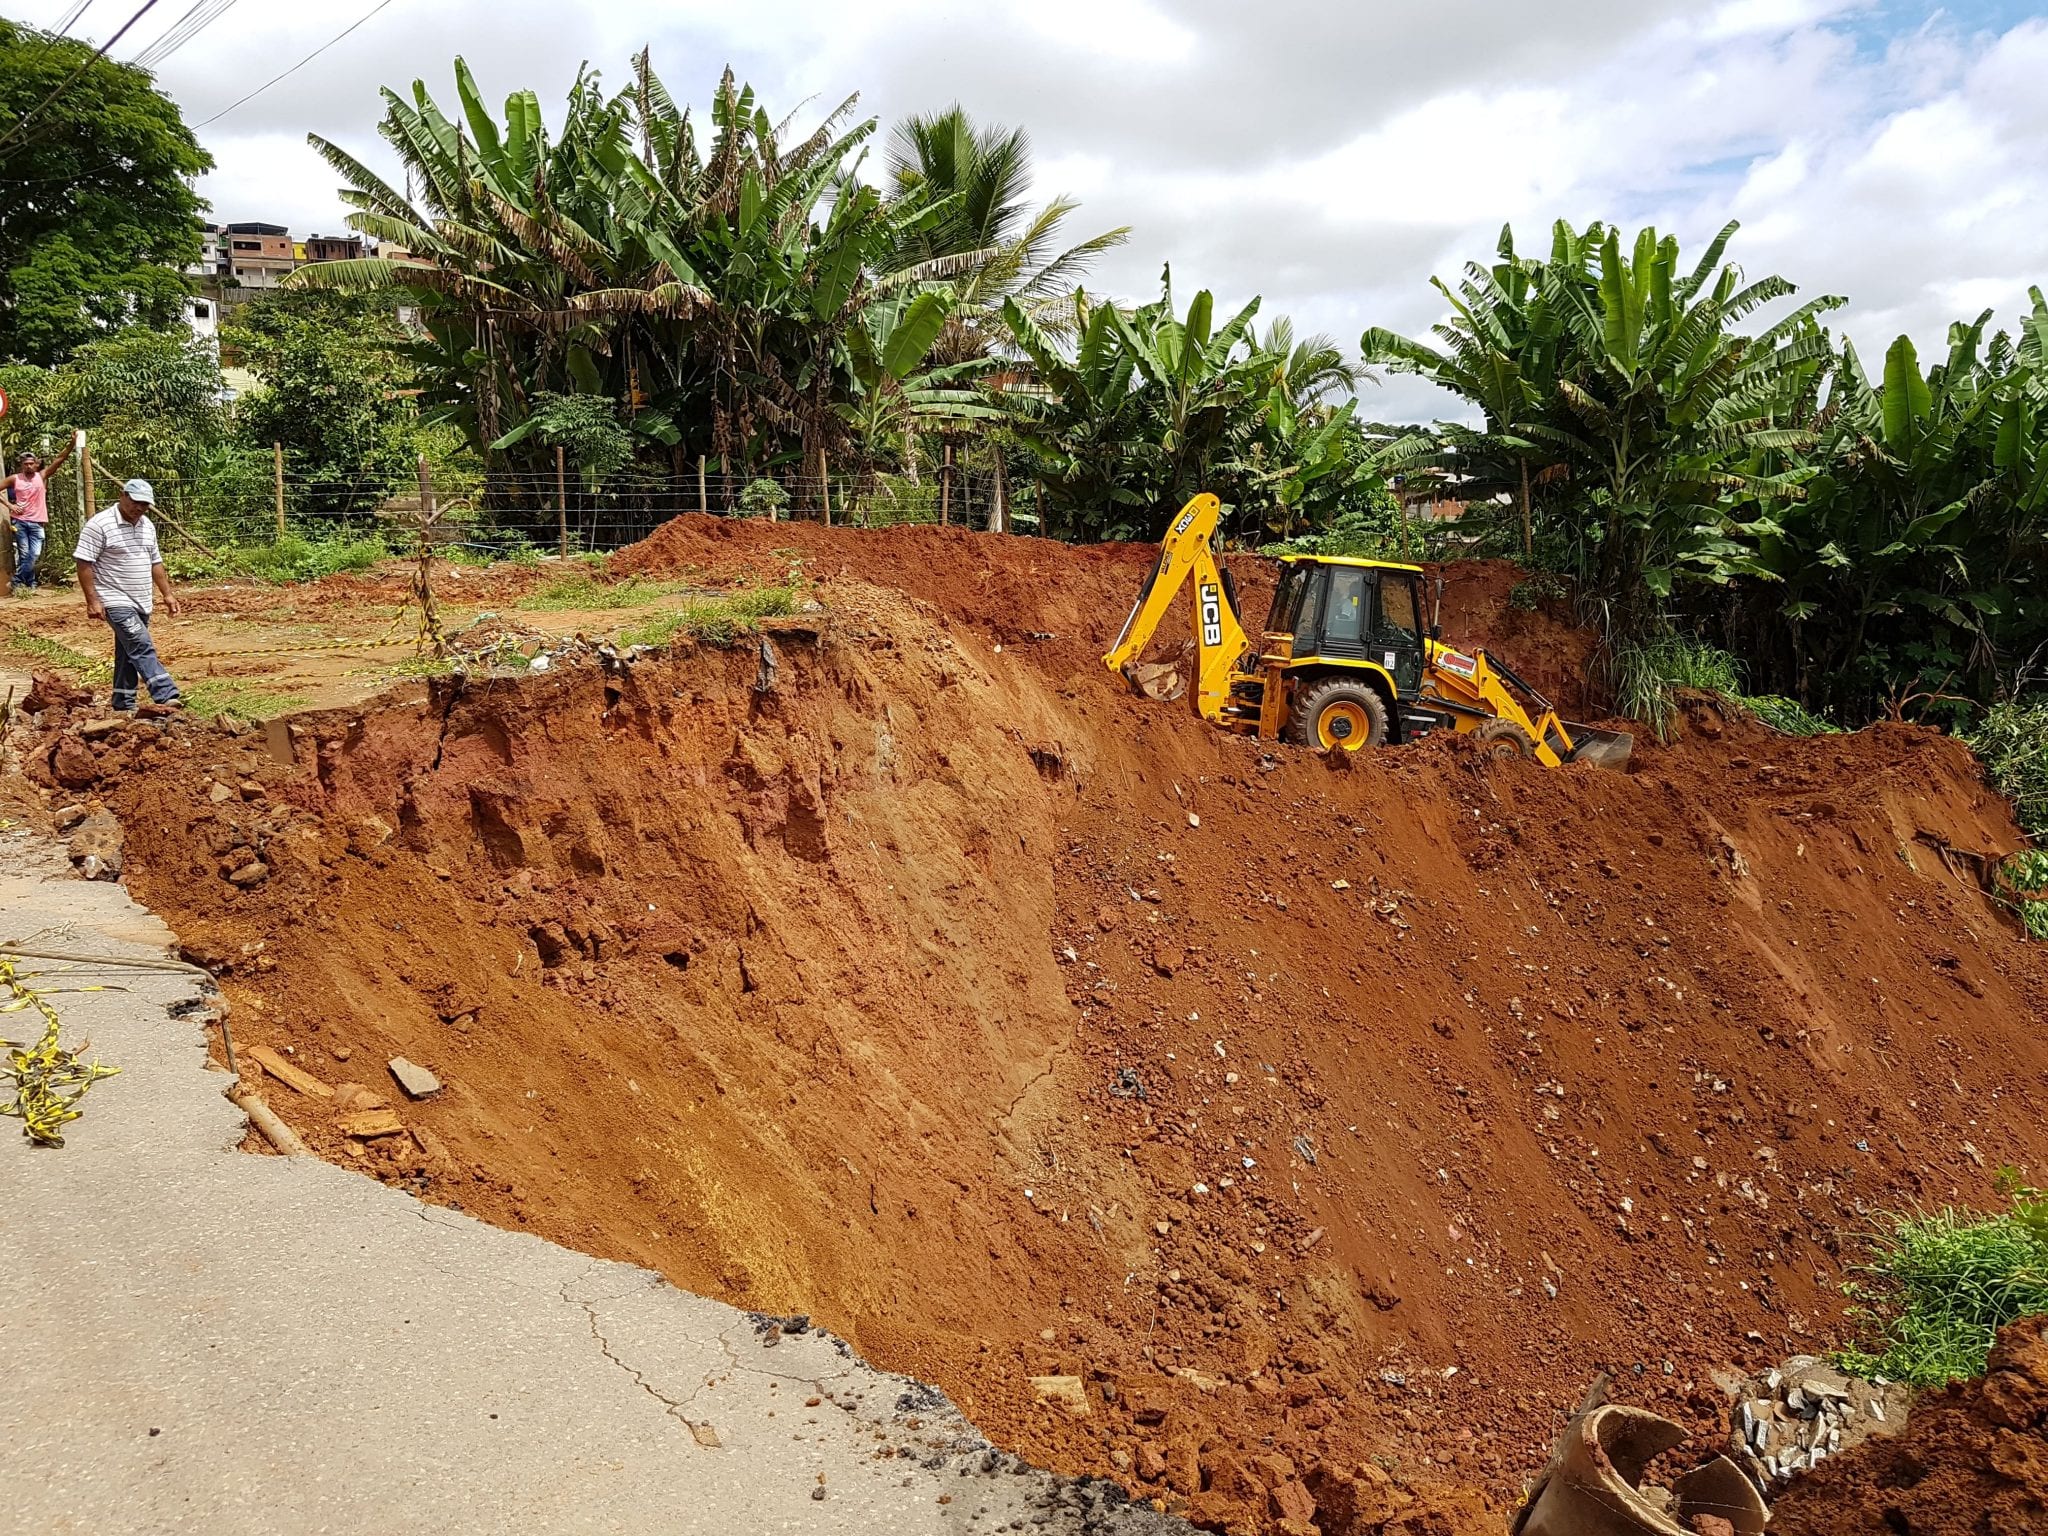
[[1399, 622], [1308, 607], [1344, 618], [1286, 613]]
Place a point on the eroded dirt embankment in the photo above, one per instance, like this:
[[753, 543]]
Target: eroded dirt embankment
[[1332, 1127]]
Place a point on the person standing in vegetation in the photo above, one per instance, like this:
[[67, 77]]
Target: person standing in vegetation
[[28, 510], [122, 573]]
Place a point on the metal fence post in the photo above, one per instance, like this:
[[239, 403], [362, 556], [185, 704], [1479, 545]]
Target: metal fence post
[[825, 487], [946, 488]]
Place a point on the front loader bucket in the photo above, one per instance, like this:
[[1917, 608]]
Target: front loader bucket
[[1604, 749]]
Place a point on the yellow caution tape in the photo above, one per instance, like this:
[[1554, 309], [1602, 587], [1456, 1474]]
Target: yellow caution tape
[[48, 1080]]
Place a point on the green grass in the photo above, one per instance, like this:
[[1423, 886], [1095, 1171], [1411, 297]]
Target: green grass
[[1941, 1286], [718, 619], [1646, 678], [581, 590], [54, 653], [219, 697], [1786, 716], [292, 558]]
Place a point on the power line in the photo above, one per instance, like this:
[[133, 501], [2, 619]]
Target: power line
[[71, 17], [309, 58], [203, 14], [64, 84]]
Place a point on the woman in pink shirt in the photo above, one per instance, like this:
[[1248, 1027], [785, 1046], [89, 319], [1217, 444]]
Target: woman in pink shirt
[[28, 504]]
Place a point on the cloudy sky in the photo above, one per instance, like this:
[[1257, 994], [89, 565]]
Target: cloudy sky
[[1329, 156]]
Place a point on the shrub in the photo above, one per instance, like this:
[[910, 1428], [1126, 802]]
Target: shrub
[[1942, 1286], [2012, 741], [763, 498]]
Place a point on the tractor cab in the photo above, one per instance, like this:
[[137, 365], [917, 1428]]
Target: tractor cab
[[1363, 616]]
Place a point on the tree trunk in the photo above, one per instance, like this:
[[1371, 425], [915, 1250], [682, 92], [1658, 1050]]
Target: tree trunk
[[1528, 523]]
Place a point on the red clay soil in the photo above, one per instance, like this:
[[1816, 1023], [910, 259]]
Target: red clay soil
[[1973, 1460], [1334, 1125]]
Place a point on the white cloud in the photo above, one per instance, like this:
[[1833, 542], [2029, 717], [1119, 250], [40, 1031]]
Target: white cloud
[[1330, 157]]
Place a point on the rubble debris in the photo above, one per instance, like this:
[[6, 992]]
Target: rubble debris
[[1792, 1418], [415, 1079]]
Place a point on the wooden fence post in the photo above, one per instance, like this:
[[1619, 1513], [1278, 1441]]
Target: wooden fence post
[[426, 489], [561, 503], [946, 487], [85, 488], [824, 487], [703, 491], [277, 475], [999, 494]]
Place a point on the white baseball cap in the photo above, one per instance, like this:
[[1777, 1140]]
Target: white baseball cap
[[141, 490]]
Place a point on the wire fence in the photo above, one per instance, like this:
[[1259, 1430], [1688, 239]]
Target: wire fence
[[206, 521]]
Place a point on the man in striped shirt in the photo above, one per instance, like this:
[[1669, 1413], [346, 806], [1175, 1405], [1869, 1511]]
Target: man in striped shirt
[[121, 573]]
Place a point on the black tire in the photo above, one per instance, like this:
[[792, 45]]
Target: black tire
[[1339, 714], [1504, 738]]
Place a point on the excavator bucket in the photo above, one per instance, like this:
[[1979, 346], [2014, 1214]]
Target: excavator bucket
[[1604, 749]]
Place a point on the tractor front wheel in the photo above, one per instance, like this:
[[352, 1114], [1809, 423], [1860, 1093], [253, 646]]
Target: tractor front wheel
[[1340, 713], [1504, 738]]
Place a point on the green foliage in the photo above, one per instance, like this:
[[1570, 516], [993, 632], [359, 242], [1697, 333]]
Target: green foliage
[[294, 558], [1536, 589], [763, 498], [2021, 882], [2012, 741], [582, 590], [1618, 374], [1788, 717], [1872, 540], [100, 209], [716, 620], [331, 366], [1377, 533], [1648, 673], [1154, 404], [585, 427], [150, 403], [1942, 1285]]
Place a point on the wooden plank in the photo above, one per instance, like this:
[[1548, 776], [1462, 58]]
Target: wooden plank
[[368, 1123], [291, 1076]]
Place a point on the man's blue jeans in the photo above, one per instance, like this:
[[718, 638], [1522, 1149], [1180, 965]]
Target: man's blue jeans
[[28, 549], [135, 657]]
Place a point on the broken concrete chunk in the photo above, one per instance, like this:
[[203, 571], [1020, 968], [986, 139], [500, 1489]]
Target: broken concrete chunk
[[220, 794], [250, 874], [1066, 1391], [415, 1079]]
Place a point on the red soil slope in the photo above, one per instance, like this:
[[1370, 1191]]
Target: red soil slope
[[1973, 1460], [1333, 1126]]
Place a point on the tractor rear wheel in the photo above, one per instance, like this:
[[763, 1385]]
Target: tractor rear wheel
[[1504, 738], [1340, 713]]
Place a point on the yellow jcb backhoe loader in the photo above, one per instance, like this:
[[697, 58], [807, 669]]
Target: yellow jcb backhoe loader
[[1345, 660]]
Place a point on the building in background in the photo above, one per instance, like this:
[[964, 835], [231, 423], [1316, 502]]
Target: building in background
[[334, 248], [259, 256]]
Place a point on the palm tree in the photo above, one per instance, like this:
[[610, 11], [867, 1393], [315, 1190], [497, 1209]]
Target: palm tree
[[982, 178]]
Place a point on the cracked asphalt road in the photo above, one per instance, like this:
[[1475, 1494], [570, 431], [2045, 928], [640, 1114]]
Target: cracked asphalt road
[[203, 1340]]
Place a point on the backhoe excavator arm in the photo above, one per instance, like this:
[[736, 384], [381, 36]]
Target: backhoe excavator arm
[[1220, 639]]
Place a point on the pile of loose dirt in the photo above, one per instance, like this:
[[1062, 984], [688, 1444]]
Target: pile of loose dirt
[[1331, 1126], [1973, 1460]]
